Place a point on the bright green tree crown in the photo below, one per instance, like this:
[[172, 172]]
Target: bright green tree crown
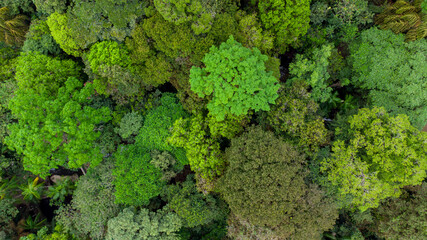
[[235, 79]]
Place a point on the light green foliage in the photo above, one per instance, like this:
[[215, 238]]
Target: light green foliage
[[251, 34], [203, 152], [404, 17], [50, 6], [136, 179], [382, 154], [56, 130], [404, 217], [295, 115], [18, 6], [155, 131], [92, 205], [313, 69], [63, 35], [144, 225], [43, 74], [193, 207], [107, 53], [264, 184], [200, 13], [60, 190], [39, 39], [134, 186], [43, 234], [32, 190], [394, 72], [235, 80], [109, 20], [129, 125], [287, 19]]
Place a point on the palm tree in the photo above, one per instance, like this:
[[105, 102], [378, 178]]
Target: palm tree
[[12, 28]]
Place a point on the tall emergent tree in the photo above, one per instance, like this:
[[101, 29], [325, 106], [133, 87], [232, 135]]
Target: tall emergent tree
[[381, 155], [264, 185], [235, 80], [55, 126], [393, 71]]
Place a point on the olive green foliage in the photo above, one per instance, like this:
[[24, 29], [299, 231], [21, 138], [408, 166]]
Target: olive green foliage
[[136, 179], [50, 6], [404, 17], [92, 205], [251, 33], [59, 131], [313, 69], [193, 207], [154, 68], [130, 125], [39, 39], [144, 225], [397, 80], [12, 28], [63, 35], [264, 184], [200, 13], [404, 217], [137, 187], [295, 115], [18, 6], [382, 154], [203, 152], [287, 19], [7, 212], [167, 163], [235, 80], [109, 20]]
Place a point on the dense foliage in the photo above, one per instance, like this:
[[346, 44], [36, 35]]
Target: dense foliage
[[213, 119]]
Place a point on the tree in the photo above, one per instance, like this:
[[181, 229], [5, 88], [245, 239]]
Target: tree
[[294, 114], [63, 35], [56, 130], [12, 28], [403, 217], [382, 155], [39, 38], [144, 225], [198, 12], [136, 179], [264, 184], [235, 80], [404, 17], [287, 19], [18, 6], [48, 7], [393, 72], [194, 208], [92, 205]]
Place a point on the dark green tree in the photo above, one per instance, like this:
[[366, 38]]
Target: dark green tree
[[92, 205], [264, 184]]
